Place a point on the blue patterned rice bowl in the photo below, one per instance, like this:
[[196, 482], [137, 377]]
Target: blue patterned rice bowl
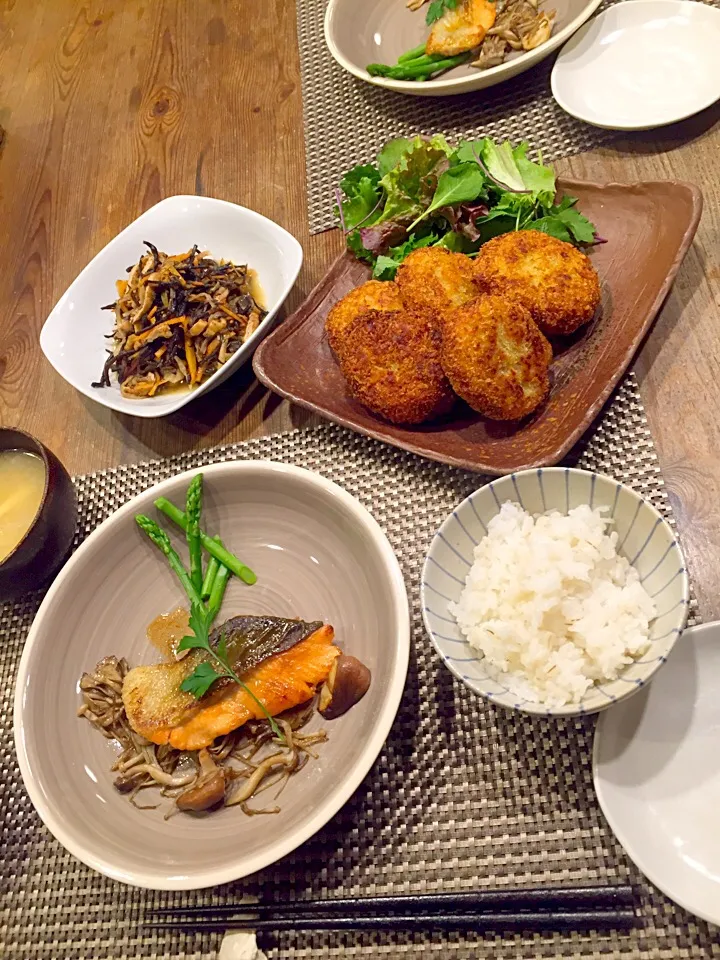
[[643, 537]]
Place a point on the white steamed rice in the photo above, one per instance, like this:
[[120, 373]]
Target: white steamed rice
[[551, 605]]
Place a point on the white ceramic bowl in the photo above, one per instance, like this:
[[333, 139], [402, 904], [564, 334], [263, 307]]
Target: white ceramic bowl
[[622, 70], [318, 554], [644, 537], [73, 336], [378, 31]]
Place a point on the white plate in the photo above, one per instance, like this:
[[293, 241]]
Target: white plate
[[641, 64], [73, 337], [358, 32], [656, 766]]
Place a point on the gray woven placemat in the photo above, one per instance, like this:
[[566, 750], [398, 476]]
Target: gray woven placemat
[[464, 794], [348, 120]]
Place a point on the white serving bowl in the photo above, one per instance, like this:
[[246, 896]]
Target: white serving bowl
[[644, 537], [318, 555], [73, 336]]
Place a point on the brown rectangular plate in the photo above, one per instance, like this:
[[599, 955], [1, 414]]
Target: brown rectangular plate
[[649, 228]]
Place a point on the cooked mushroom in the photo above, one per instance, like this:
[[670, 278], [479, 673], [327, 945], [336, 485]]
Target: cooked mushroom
[[209, 788], [347, 684]]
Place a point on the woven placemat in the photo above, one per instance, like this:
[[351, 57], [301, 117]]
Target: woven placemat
[[463, 795], [348, 120]]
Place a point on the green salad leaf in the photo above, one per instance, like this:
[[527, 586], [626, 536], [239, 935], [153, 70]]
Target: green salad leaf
[[410, 185], [459, 184], [391, 155], [362, 193], [423, 192]]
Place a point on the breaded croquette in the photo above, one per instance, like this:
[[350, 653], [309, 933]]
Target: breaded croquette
[[495, 357], [435, 278], [552, 279], [391, 361], [373, 295]]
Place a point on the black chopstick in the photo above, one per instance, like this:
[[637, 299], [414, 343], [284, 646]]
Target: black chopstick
[[511, 899], [487, 922]]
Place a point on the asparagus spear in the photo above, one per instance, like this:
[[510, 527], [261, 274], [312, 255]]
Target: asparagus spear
[[193, 509], [218, 589], [210, 574], [162, 542], [211, 546]]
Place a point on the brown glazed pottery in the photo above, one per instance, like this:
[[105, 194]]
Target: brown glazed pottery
[[45, 546], [648, 228]]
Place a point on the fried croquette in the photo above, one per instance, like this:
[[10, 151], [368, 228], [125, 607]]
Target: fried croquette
[[551, 278], [495, 357], [391, 361], [373, 295], [434, 278]]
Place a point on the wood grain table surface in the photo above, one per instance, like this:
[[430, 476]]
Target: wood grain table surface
[[110, 106]]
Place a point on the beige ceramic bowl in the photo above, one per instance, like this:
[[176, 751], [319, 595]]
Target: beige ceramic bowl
[[378, 31], [318, 554]]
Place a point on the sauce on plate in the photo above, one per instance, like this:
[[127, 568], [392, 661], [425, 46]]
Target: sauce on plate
[[166, 631]]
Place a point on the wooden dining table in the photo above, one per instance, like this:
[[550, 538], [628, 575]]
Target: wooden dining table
[[107, 107]]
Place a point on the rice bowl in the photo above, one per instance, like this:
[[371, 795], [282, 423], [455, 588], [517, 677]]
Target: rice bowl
[[643, 538], [550, 604]]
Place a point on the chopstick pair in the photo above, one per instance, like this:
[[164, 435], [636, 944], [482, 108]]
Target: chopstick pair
[[550, 908]]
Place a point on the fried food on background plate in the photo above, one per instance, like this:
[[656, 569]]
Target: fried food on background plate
[[391, 361], [552, 279], [495, 357], [462, 28], [373, 295], [435, 278]]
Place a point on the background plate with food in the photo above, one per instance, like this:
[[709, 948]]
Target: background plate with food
[[177, 810], [172, 305], [374, 34], [484, 311]]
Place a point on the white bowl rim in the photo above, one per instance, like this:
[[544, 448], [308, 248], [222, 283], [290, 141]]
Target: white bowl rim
[[452, 85], [146, 411], [539, 710], [324, 813], [629, 126]]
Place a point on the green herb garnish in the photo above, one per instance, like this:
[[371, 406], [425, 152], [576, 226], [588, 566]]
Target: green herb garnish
[[205, 674], [438, 8]]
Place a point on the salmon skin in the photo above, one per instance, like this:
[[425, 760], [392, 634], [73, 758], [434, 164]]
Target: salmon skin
[[161, 712]]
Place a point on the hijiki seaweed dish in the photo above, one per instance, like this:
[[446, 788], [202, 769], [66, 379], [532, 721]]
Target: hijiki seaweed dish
[[178, 319], [222, 719]]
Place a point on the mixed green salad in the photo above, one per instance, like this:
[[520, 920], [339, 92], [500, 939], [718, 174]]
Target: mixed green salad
[[424, 192]]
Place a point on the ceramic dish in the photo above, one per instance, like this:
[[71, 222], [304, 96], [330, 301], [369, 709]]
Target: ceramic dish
[[621, 70], [649, 227], [643, 537], [336, 565], [378, 31], [73, 337], [657, 774], [47, 542]]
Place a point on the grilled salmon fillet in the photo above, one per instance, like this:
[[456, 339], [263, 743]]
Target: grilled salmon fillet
[[461, 29], [161, 712]]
